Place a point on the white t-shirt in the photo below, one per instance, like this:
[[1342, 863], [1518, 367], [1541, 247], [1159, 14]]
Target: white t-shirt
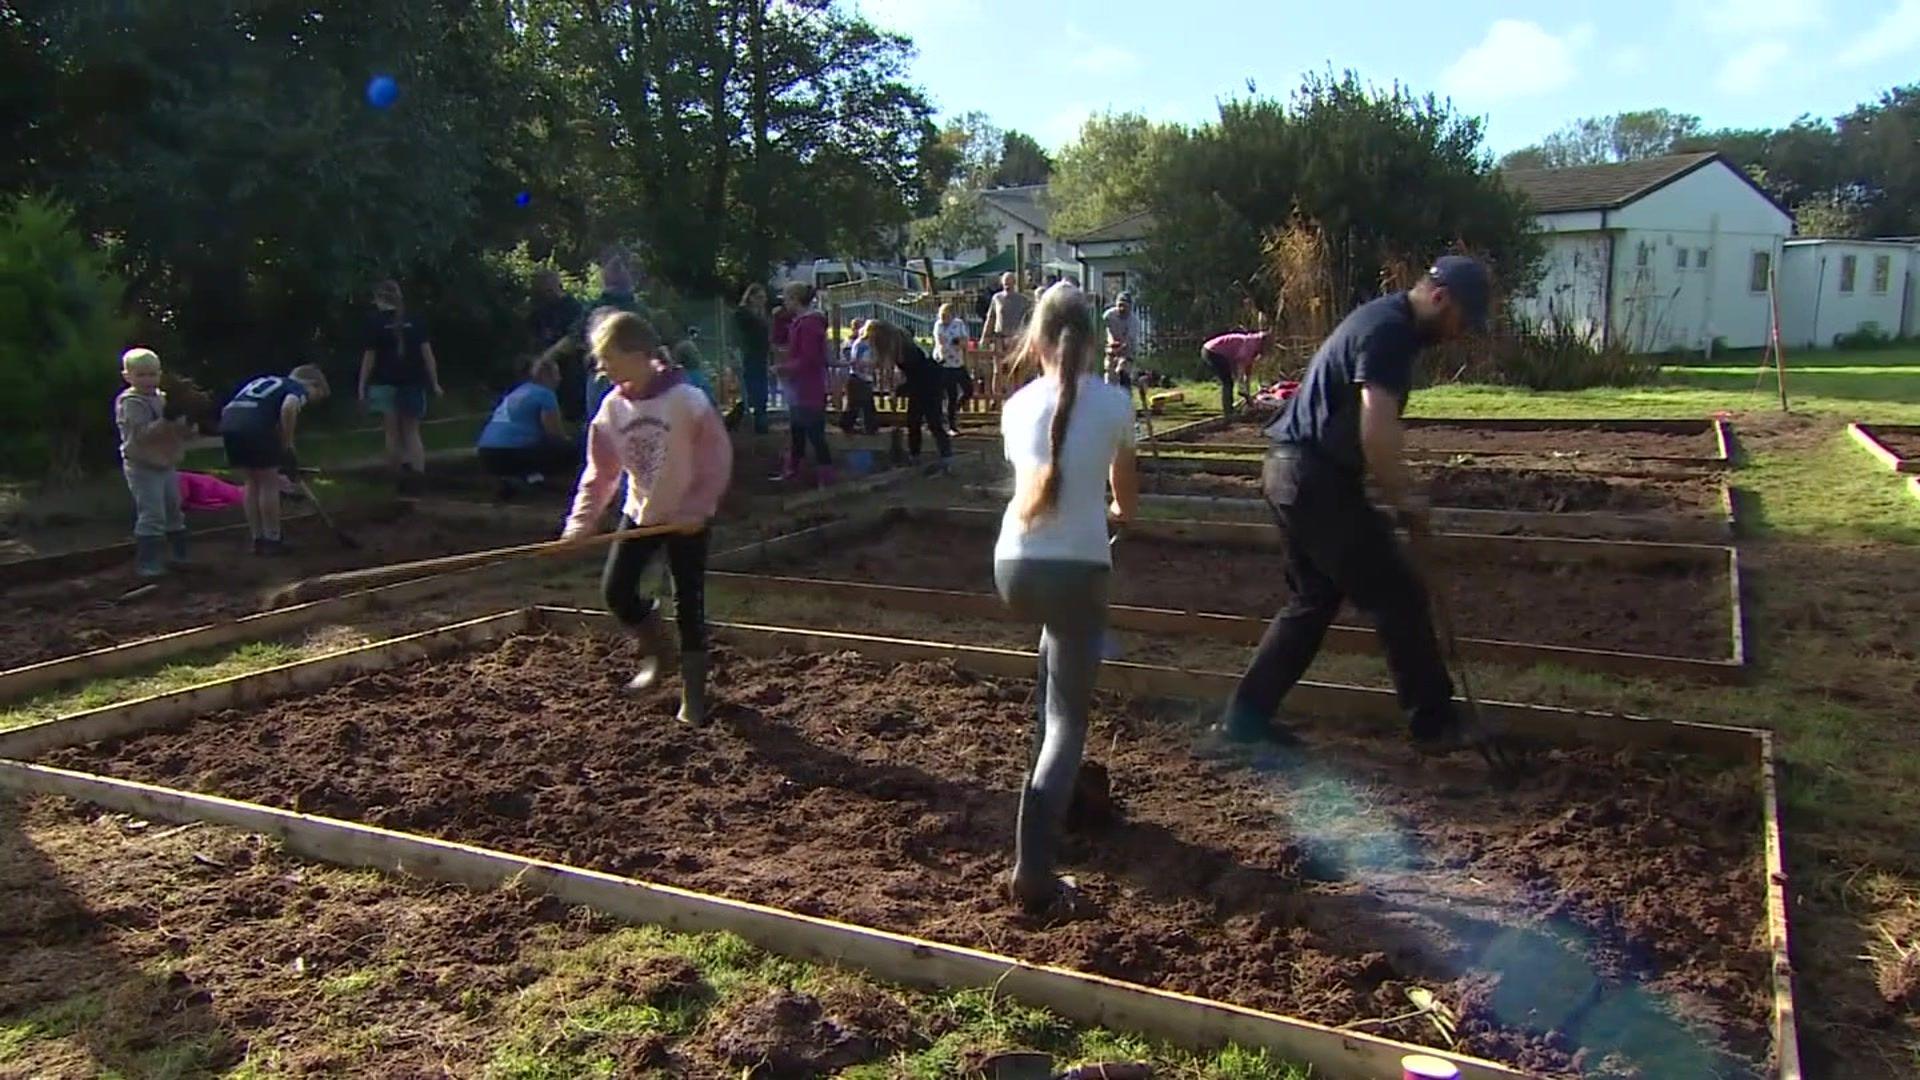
[[1101, 426], [950, 341]]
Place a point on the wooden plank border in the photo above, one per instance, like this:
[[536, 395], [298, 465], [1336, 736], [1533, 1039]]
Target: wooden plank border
[[1721, 457], [1865, 435], [1786, 1038]]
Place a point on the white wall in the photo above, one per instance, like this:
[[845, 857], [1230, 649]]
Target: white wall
[[1571, 291], [1814, 310], [1658, 304], [1006, 228]]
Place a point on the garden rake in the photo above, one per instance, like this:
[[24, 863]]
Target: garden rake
[[1500, 758]]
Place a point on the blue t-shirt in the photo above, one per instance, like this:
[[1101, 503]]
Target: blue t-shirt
[[255, 408], [1376, 345], [515, 423]]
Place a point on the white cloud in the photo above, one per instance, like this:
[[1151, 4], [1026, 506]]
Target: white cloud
[[1095, 56], [1631, 60], [1756, 18], [1751, 69], [1062, 125], [1516, 59], [1897, 32]]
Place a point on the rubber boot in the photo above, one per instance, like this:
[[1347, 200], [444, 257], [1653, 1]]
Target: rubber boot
[[150, 556], [693, 687], [177, 549], [1036, 848], [654, 651]]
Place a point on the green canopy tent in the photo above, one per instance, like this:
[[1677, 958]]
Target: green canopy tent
[[992, 266]]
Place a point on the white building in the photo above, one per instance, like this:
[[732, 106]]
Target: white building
[[1109, 256], [1019, 215], [1669, 252], [1829, 288]]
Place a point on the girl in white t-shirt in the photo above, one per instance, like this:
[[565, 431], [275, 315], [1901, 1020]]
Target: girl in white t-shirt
[[950, 348], [1068, 436]]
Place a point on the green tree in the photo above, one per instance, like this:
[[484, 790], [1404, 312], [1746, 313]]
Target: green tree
[[1108, 172], [1627, 136], [60, 328], [958, 224], [1391, 178], [1022, 161]]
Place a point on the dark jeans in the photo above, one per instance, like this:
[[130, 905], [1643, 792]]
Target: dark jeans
[[513, 463], [860, 411], [957, 384], [808, 425], [923, 409], [1339, 547], [753, 386], [687, 563], [1222, 370]]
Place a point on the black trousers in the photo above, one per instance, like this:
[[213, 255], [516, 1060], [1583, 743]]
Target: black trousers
[[860, 411], [808, 425], [957, 385], [1339, 547], [687, 564], [513, 463], [1222, 370], [923, 410]]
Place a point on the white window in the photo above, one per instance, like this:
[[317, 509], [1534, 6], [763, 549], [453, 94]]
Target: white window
[[1882, 270], [1762, 270], [1700, 258], [1680, 258], [1849, 268]]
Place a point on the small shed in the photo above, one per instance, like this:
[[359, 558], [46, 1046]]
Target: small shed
[[1109, 256], [1833, 287]]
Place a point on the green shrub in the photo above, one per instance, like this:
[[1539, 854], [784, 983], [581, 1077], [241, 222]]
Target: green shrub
[[1546, 359], [61, 331], [1867, 335]]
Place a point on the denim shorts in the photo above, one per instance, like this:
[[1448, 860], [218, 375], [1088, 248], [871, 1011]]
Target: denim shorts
[[407, 401]]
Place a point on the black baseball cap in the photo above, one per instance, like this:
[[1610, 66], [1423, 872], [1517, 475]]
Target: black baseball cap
[[1467, 281]]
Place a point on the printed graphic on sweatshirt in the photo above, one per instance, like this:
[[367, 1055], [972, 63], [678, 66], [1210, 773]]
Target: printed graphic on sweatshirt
[[643, 447]]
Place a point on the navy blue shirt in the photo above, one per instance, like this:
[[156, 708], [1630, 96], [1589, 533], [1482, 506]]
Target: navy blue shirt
[[1375, 344], [255, 409]]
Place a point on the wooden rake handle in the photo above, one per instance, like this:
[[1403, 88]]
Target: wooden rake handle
[[446, 564]]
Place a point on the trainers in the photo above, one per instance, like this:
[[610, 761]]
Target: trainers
[[272, 548]]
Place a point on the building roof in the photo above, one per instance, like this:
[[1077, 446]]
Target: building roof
[[1609, 187], [1024, 204], [1879, 241], [1135, 226]]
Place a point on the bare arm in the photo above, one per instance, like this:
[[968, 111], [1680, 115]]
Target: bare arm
[[550, 423], [366, 372], [289, 420], [1124, 477], [433, 368], [1381, 439]]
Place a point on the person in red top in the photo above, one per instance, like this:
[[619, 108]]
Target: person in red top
[[1231, 357], [805, 372]]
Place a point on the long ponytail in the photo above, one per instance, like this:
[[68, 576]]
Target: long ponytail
[[1059, 337]]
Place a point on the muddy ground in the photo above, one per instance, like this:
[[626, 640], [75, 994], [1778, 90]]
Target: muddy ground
[[86, 611], [1904, 443], [1533, 490], [1672, 611], [1567, 442], [1606, 912]]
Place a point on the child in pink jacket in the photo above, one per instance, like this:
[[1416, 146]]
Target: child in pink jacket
[[805, 372], [669, 442]]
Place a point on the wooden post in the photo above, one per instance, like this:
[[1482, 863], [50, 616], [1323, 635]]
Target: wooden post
[[1019, 261], [1773, 334]]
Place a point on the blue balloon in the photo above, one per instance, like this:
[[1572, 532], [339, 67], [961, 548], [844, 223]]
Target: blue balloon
[[523, 198], [382, 91]]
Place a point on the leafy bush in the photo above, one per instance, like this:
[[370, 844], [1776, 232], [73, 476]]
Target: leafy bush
[[61, 328], [1548, 359], [1867, 335]]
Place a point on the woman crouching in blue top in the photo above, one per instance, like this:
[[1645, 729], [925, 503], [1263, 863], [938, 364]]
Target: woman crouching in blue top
[[524, 440]]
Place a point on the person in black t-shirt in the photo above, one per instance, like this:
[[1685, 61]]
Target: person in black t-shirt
[[397, 371], [1342, 429]]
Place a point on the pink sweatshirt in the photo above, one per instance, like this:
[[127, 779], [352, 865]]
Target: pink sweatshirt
[[672, 446], [1239, 348], [806, 366]]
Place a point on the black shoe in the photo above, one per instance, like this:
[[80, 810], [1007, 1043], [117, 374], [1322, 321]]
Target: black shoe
[[272, 548], [1264, 746]]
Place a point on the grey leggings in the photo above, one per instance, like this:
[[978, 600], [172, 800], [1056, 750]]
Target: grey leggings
[[1069, 601]]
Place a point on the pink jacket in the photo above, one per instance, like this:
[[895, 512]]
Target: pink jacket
[[673, 448], [1239, 348], [806, 366]]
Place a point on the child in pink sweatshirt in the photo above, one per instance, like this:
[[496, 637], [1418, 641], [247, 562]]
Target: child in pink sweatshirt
[[665, 437], [805, 372]]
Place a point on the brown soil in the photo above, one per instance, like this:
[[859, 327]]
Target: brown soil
[[1532, 490], [76, 614], [1676, 611], [209, 946], [1567, 442], [1608, 910], [1904, 443]]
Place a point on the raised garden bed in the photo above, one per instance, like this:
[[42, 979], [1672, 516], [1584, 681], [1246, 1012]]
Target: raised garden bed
[[1897, 446], [880, 788], [1603, 444], [1625, 608]]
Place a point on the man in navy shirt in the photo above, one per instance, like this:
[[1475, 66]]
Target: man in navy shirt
[[1341, 429]]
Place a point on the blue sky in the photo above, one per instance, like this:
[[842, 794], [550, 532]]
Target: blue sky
[[1042, 68]]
